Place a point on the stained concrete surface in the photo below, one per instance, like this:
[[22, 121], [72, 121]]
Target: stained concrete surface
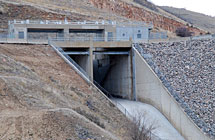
[[163, 129]]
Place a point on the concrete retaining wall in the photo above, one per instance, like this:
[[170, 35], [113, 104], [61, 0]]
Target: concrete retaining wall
[[149, 89], [119, 80]]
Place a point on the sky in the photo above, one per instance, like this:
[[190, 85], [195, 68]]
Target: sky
[[201, 6]]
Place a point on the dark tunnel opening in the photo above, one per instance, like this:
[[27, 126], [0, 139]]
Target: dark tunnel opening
[[112, 69]]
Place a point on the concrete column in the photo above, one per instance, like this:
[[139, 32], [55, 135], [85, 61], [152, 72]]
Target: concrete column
[[66, 32], [106, 36], [133, 65], [90, 60], [25, 34]]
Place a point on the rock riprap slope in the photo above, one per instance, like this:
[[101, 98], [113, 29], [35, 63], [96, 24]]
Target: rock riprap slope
[[41, 97], [187, 69]]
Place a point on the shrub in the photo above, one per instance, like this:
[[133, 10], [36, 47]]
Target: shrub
[[138, 128], [183, 32], [2, 10]]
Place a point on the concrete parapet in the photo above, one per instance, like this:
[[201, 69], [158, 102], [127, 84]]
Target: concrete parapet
[[100, 44]]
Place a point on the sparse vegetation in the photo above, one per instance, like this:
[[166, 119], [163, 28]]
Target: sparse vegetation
[[138, 128], [197, 19], [183, 32], [91, 117], [1, 10], [147, 4]]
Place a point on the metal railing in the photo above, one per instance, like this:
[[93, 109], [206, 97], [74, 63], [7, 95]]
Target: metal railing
[[59, 22], [122, 108], [158, 35], [69, 58], [62, 22], [88, 39], [43, 38], [4, 37]]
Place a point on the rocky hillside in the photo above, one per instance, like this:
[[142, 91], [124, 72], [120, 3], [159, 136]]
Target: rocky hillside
[[139, 13], [121, 10], [41, 97], [187, 69], [197, 19]]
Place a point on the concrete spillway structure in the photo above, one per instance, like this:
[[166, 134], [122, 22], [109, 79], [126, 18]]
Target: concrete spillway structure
[[150, 117], [105, 57], [108, 64], [122, 71], [118, 68]]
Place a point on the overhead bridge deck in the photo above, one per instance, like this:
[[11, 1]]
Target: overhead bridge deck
[[94, 44]]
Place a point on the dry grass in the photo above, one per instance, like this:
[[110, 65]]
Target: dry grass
[[200, 20], [139, 129], [37, 81]]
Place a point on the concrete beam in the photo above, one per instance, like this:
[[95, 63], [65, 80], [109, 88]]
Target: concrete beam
[[86, 44], [76, 53], [111, 53]]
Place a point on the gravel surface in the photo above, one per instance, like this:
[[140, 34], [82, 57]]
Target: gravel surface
[[187, 69]]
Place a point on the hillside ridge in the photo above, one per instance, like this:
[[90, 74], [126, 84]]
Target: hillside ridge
[[194, 18]]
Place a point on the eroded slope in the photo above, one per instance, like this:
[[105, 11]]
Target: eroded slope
[[43, 98]]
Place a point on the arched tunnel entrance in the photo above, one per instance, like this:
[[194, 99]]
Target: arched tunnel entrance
[[111, 68]]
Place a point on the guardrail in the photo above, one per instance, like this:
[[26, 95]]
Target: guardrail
[[158, 35], [4, 37], [66, 56], [80, 22], [155, 40], [87, 39], [61, 22]]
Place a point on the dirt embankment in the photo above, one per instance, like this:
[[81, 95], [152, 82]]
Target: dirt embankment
[[41, 97]]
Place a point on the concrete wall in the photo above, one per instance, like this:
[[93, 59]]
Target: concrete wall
[[66, 27], [132, 32], [101, 65], [83, 62], [149, 89], [119, 79]]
